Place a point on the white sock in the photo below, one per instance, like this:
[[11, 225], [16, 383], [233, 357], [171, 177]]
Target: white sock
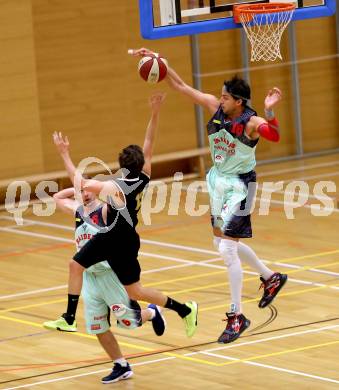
[[228, 250], [248, 256], [122, 361], [216, 242], [152, 311]]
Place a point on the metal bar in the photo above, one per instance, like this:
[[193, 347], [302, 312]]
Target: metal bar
[[245, 58], [295, 89], [178, 11], [195, 12], [199, 113], [229, 7]]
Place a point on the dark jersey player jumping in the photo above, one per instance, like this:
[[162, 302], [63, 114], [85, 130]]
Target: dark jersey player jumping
[[119, 243]]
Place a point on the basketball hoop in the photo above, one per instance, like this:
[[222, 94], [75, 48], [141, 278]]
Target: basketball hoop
[[264, 24]]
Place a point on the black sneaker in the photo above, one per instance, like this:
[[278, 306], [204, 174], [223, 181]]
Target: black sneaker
[[118, 373], [158, 322], [271, 288], [236, 324]]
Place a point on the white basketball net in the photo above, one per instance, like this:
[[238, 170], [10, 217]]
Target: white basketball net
[[264, 32]]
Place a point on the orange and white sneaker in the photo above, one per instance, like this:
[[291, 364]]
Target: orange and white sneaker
[[271, 288], [236, 324]]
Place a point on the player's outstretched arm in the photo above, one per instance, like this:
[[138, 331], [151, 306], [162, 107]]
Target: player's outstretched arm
[[269, 127], [206, 100], [65, 201], [62, 145], [155, 101], [106, 191]]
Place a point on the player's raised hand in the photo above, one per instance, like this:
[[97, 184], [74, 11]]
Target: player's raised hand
[[142, 52], [273, 97], [156, 101], [61, 143]]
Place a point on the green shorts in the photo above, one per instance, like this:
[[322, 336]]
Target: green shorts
[[231, 203], [102, 291]]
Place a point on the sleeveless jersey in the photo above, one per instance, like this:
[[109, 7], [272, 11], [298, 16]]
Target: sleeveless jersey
[[84, 231], [127, 218], [232, 151]]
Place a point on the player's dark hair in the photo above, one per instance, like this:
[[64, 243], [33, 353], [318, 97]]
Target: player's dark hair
[[132, 158], [238, 89]]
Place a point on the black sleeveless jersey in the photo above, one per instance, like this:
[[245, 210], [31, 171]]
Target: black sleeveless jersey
[[127, 216]]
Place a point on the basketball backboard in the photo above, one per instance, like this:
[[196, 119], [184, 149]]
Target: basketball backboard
[[171, 18]]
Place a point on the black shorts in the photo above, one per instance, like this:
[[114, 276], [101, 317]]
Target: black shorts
[[120, 251]]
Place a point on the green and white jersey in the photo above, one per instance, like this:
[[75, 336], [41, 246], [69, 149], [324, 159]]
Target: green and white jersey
[[84, 231], [232, 152]]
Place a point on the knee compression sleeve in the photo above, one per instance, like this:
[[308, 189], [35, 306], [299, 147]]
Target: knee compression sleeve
[[228, 250]]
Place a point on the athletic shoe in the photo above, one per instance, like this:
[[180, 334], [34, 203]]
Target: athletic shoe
[[236, 324], [191, 320], [158, 322], [61, 324], [271, 288], [118, 373]]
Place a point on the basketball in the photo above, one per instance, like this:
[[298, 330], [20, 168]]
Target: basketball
[[152, 68]]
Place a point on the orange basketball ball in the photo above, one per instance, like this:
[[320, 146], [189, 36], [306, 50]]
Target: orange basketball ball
[[152, 68]]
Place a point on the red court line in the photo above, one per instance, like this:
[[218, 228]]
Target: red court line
[[36, 250], [47, 365]]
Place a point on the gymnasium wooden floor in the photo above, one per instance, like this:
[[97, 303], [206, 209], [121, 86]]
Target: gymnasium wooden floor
[[294, 344]]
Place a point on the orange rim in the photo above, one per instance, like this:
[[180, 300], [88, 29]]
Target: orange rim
[[260, 8]]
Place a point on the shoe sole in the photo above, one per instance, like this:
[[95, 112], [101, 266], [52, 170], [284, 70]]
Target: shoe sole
[[127, 375], [196, 320], [247, 323], [163, 318], [61, 330], [277, 292]]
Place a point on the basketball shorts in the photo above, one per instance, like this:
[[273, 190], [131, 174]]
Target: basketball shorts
[[102, 292], [120, 251], [231, 199]]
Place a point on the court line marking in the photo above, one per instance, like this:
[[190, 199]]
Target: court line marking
[[199, 288], [79, 334], [300, 373], [284, 352], [312, 177], [72, 229], [45, 248], [298, 292], [85, 374], [296, 169], [307, 206], [266, 339], [47, 224], [170, 358], [187, 248], [182, 247]]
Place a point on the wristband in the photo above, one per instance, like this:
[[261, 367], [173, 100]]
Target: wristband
[[269, 113]]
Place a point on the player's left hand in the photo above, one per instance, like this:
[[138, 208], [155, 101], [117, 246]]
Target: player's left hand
[[61, 143], [273, 97], [156, 101], [140, 52]]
